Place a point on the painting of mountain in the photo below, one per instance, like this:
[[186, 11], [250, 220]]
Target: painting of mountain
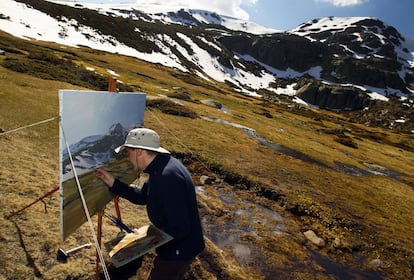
[[92, 125], [94, 150]]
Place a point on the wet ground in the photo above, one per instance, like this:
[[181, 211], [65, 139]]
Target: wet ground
[[245, 223], [372, 169], [243, 218]]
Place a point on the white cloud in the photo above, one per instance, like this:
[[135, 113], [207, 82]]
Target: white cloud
[[344, 3], [230, 8]]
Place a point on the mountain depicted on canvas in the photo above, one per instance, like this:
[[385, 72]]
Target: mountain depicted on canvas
[[95, 150]]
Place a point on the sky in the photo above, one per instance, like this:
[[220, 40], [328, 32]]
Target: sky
[[288, 14], [86, 113]]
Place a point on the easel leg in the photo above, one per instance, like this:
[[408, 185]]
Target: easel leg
[[116, 204], [99, 237], [111, 84], [37, 200], [112, 88], [101, 213]]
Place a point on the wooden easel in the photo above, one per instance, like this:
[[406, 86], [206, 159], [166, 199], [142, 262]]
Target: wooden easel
[[101, 213], [37, 200], [111, 84]]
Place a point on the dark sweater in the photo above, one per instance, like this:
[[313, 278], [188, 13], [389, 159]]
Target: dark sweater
[[171, 203]]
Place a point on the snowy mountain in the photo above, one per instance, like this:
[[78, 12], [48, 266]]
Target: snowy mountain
[[93, 151], [345, 62], [170, 14]]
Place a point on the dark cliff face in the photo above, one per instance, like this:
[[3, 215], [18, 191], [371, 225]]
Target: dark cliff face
[[366, 53], [281, 51], [363, 54], [332, 97], [114, 138], [117, 130]]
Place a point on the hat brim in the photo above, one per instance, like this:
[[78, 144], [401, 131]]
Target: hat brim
[[158, 150]]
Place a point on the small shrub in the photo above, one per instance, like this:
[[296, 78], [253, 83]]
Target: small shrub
[[169, 107], [180, 95], [347, 141]]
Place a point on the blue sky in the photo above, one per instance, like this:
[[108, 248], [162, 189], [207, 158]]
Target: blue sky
[[287, 14]]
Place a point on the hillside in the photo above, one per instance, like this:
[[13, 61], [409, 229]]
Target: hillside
[[277, 168], [349, 183], [334, 63]]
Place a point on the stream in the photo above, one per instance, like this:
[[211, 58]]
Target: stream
[[372, 169]]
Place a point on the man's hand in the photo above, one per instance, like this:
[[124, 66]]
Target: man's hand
[[105, 176]]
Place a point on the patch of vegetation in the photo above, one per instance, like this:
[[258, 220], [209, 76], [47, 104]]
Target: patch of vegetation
[[385, 137], [303, 206], [192, 80], [170, 107], [182, 95], [387, 114], [241, 182], [50, 67], [347, 141]]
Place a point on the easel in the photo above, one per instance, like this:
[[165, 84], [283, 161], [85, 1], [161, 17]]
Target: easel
[[111, 88], [37, 200], [101, 213]]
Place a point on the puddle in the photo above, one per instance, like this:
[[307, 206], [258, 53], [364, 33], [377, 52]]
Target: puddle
[[351, 170], [340, 271], [380, 170], [225, 110], [373, 169], [278, 148], [242, 222]]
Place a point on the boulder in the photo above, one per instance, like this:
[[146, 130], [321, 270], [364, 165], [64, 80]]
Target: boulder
[[375, 263], [206, 180], [313, 238], [212, 103]]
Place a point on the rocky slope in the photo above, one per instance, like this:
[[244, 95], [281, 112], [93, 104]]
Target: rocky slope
[[333, 63]]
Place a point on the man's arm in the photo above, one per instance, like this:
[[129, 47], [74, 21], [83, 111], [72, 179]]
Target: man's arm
[[133, 194]]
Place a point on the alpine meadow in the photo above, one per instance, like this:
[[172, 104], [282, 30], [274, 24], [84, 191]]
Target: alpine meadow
[[300, 144]]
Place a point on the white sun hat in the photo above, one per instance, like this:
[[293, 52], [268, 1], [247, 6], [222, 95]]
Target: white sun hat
[[143, 138]]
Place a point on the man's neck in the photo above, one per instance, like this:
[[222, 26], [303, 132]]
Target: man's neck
[[148, 158]]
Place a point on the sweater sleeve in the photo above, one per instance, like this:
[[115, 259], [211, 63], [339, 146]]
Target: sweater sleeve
[[135, 195]]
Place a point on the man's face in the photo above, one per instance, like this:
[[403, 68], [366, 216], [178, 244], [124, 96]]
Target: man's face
[[133, 157]]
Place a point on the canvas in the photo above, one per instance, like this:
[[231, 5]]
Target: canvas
[[92, 125]]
